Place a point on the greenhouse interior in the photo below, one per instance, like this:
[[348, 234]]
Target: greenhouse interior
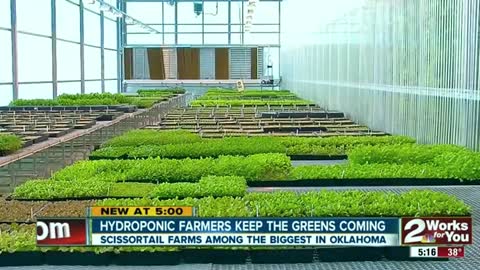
[[239, 134]]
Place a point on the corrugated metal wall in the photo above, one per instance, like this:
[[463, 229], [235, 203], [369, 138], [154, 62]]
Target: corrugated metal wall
[[240, 59], [402, 66], [207, 63]]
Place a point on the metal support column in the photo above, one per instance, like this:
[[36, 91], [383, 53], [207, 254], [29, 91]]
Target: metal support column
[[82, 49], [229, 22], [163, 23], [279, 39], [102, 50], [120, 53], [13, 25], [243, 24], [176, 22], [54, 48], [203, 22]]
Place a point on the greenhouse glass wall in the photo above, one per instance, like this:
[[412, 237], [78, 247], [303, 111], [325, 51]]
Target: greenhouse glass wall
[[405, 67], [52, 47]]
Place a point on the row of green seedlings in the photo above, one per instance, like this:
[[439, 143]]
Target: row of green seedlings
[[396, 162], [143, 99], [183, 144], [278, 204], [228, 98], [219, 94], [216, 186], [250, 102]]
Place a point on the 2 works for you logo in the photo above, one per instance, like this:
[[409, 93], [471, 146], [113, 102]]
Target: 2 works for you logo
[[61, 232], [436, 231]]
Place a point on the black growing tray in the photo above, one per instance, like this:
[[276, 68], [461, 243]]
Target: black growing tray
[[362, 182], [202, 256]]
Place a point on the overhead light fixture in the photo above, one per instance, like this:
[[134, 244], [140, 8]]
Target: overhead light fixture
[[129, 20], [104, 7], [90, 2], [117, 14], [252, 3]]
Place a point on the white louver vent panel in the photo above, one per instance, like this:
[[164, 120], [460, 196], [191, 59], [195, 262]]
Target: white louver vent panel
[[240, 67]]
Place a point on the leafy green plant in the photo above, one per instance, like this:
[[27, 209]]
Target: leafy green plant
[[254, 167], [50, 189], [346, 141], [182, 144], [216, 186], [369, 171], [317, 204], [248, 102], [109, 152], [34, 102], [213, 93], [401, 154], [130, 190], [152, 137], [9, 143], [208, 148], [144, 101], [160, 92], [222, 97], [18, 238]]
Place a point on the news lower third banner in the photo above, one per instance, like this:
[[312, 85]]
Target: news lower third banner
[[178, 226], [180, 231], [245, 232]]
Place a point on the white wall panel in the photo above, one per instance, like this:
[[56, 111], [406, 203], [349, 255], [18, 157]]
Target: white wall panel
[[68, 88], [34, 58], [93, 87], [110, 64], [111, 87], [34, 91], [34, 16], [5, 56], [110, 34], [5, 14], [93, 63], [68, 21], [92, 28], [68, 60], [6, 94]]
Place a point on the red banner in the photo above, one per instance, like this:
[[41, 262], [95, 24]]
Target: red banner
[[451, 252], [436, 231], [61, 232]]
